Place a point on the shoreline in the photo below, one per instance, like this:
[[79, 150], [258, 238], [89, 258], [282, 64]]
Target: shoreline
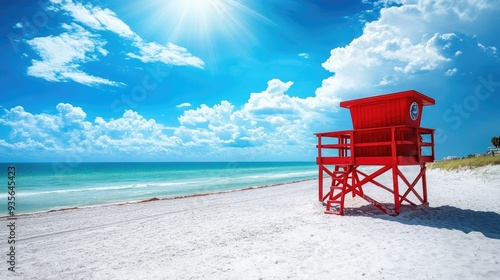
[[154, 198], [2, 218]]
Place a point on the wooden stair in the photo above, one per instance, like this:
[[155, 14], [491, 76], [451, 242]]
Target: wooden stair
[[338, 191]]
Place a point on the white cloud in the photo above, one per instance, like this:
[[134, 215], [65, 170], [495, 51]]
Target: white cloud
[[100, 19], [269, 119], [304, 55], [463, 10], [111, 22], [96, 17], [492, 50], [451, 72], [67, 131], [272, 100], [18, 25], [170, 54], [70, 113], [205, 114], [86, 79], [404, 42], [61, 56], [26, 126], [185, 104]]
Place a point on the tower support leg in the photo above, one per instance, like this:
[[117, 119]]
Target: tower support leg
[[424, 184], [395, 181]]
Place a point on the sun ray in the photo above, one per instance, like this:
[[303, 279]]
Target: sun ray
[[207, 26]]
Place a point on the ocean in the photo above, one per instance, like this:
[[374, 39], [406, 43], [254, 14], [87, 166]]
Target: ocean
[[51, 186]]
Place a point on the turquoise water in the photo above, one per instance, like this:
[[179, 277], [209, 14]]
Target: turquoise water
[[51, 186]]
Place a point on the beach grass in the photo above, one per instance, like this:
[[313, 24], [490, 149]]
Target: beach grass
[[465, 163]]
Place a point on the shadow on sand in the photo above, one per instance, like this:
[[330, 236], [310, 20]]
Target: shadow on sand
[[448, 217]]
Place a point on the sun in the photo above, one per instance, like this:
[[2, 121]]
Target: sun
[[205, 23], [200, 18], [198, 12]]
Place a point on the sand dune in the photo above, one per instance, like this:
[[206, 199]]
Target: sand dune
[[278, 232]]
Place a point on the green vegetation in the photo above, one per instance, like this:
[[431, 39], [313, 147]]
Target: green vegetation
[[496, 142], [465, 163]]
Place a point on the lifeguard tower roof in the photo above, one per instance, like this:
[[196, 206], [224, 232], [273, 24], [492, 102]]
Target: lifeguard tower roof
[[426, 100], [399, 108]]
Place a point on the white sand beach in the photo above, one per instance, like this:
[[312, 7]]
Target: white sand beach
[[277, 232]]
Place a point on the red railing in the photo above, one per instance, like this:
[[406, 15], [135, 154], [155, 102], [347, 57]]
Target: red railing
[[374, 146]]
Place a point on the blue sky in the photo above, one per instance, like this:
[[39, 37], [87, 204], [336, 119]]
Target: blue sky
[[226, 80]]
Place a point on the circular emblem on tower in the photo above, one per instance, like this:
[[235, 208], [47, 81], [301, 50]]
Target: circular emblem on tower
[[414, 111]]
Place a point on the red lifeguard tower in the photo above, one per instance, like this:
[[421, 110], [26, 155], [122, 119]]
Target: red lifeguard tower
[[386, 135]]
